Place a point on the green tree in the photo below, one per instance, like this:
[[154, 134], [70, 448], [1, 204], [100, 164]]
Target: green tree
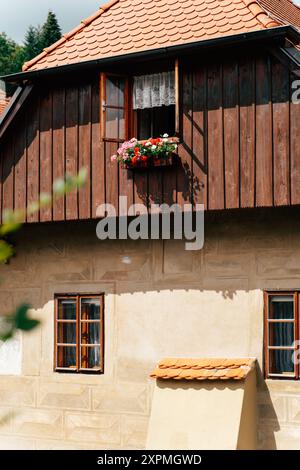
[[33, 42], [11, 55], [51, 31]]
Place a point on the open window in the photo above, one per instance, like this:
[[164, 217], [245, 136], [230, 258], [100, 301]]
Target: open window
[[141, 106], [115, 107], [154, 104]]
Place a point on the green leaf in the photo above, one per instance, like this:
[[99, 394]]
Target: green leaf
[[6, 251], [7, 327], [45, 199], [8, 228], [11, 222], [33, 207], [59, 187], [7, 336], [81, 177], [22, 321]]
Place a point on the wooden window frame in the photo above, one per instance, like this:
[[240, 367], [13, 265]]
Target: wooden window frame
[[104, 106], [130, 121], [267, 321], [79, 345]]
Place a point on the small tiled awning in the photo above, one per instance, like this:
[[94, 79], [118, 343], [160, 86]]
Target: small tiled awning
[[203, 369]]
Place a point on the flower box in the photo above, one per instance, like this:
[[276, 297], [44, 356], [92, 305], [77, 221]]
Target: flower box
[[170, 160], [150, 153]]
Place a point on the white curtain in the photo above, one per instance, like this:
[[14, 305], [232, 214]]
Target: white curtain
[[151, 91]]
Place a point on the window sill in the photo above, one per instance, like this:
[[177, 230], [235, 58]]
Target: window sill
[[284, 384]]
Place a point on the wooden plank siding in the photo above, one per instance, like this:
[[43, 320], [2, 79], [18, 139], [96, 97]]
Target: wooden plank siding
[[45, 164], [246, 109], [294, 149], [239, 147], [33, 151], [58, 145]]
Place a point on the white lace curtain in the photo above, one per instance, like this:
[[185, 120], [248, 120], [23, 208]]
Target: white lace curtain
[[151, 91]]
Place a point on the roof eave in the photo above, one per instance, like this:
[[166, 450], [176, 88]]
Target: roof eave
[[276, 33]]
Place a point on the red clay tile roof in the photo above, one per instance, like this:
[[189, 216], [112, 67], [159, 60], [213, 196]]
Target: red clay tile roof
[[284, 11], [3, 101], [126, 26], [203, 369]]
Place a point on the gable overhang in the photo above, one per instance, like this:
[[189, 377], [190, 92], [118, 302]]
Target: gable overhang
[[267, 36], [16, 103]]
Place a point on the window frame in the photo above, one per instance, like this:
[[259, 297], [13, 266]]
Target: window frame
[[104, 106], [129, 115], [267, 321], [79, 344]]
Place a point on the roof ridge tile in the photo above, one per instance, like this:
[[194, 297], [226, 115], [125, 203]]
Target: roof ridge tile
[[260, 14], [282, 12]]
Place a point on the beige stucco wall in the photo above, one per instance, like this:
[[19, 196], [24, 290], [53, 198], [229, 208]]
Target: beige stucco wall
[[159, 301], [204, 415]]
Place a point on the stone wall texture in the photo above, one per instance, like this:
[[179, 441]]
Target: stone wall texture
[[160, 300]]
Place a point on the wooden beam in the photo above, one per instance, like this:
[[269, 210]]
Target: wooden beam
[[14, 107]]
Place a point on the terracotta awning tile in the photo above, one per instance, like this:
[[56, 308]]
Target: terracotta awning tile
[[203, 369]]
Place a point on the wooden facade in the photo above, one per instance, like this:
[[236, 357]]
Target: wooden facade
[[240, 144]]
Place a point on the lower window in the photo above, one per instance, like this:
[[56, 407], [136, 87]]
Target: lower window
[[79, 333], [281, 334]]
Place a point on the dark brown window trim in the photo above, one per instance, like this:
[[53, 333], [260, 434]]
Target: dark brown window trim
[[77, 297], [130, 121], [267, 321]]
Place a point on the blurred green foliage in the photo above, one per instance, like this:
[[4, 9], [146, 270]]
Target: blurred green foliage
[[12, 222]]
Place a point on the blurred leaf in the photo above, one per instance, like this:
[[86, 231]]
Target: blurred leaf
[[6, 229], [22, 321], [19, 320], [6, 251], [33, 207], [59, 187], [11, 222], [45, 199], [7, 336], [69, 184], [81, 177], [7, 327]]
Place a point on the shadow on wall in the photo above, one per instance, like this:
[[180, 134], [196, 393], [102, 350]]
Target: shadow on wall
[[206, 413], [243, 251], [204, 410], [266, 428]]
